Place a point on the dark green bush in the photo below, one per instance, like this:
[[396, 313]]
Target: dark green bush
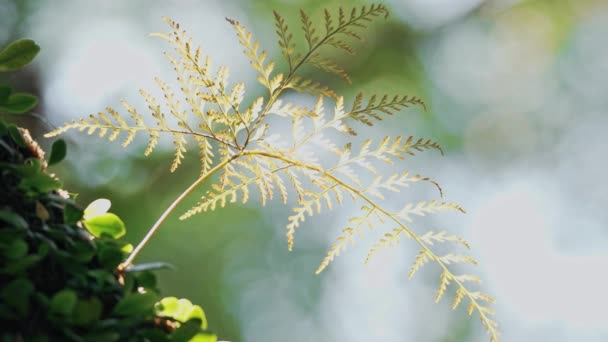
[[58, 265]]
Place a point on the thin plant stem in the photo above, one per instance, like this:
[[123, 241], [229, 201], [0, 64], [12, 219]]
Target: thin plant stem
[[123, 266]]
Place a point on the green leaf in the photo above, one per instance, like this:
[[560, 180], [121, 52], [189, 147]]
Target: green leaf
[[82, 251], [13, 219], [186, 331], [17, 294], [72, 214], [87, 311], [21, 264], [5, 91], [181, 310], [14, 132], [127, 248], [58, 152], [18, 54], [109, 256], [204, 337], [146, 280], [19, 103], [108, 224], [40, 182], [136, 304], [63, 302], [16, 249], [98, 207]]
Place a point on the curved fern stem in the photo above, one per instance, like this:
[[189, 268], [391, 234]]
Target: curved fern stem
[[122, 267]]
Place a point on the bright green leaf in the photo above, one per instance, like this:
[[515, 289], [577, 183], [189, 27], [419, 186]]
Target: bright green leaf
[[136, 304], [127, 248], [63, 302], [181, 310], [18, 54], [98, 207], [58, 152], [19, 103], [203, 337], [108, 224]]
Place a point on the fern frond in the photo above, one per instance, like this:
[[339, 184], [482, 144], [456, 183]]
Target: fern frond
[[460, 293], [205, 154], [388, 240], [180, 149], [423, 208], [214, 116], [311, 201], [306, 86], [325, 64], [443, 285], [421, 259], [431, 237], [285, 39], [228, 191], [342, 241], [374, 108], [337, 247], [450, 258], [396, 181], [310, 33], [257, 59]]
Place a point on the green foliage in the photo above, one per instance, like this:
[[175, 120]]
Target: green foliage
[[18, 54], [58, 282], [233, 139], [13, 57], [58, 152]]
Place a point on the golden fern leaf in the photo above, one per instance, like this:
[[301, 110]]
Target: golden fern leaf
[[374, 108], [306, 86], [443, 285], [342, 241], [337, 247], [388, 240], [431, 237], [313, 200], [265, 161], [421, 259], [423, 208], [257, 59], [285, 37], [325, 64]]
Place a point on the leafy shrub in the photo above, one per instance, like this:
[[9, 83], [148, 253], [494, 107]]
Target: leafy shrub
[[58, 280]]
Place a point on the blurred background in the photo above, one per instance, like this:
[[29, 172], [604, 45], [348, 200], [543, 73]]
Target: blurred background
[[516, 92]]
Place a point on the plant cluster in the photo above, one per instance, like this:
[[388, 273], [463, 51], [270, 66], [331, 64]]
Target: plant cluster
[[236, 140], [58, 279]]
